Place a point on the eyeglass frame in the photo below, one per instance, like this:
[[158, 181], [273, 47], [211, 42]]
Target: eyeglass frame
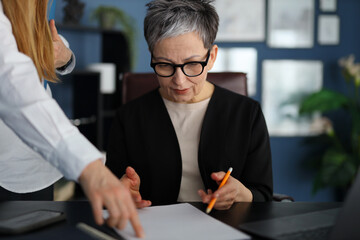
[[181, 66]]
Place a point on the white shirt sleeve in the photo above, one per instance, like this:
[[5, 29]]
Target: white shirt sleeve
[[71, 67], [35, 117]]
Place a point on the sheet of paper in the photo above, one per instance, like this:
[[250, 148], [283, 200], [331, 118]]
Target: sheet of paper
[[180, 221]]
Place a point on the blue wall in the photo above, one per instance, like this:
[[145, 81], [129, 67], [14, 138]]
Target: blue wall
[[290, 174]]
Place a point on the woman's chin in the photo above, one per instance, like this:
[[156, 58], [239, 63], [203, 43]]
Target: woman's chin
[[181, 98]]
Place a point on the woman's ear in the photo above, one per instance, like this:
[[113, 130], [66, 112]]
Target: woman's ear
[[212, 58]]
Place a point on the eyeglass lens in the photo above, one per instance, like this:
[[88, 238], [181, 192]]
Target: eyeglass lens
[[189, 69]]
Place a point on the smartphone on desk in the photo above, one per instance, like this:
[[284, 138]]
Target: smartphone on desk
[[30, 221]]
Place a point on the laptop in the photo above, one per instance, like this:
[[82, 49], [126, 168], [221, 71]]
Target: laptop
[[332, 224]]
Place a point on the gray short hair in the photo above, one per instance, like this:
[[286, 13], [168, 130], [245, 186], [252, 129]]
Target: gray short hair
[[171, 18]]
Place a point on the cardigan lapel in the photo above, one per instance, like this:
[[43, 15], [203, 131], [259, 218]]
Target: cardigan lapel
[[213, 140], [165, 155]]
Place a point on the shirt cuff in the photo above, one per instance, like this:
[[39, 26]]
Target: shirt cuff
[[79, 153], [69, 67]]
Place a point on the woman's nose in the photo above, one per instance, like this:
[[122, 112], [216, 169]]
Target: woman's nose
[[179, 77]]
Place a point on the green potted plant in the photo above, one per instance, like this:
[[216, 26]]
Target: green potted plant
[[108, 17], [339, 163]]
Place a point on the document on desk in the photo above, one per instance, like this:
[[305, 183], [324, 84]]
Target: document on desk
[[180, 221]]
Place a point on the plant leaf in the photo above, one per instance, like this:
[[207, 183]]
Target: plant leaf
[[323, 101], [317, 184], [338, 168]]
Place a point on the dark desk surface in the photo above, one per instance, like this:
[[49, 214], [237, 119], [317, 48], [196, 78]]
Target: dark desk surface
[[80, 211]]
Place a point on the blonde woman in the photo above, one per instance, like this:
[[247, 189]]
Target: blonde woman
[[16, 158], [26, 58]]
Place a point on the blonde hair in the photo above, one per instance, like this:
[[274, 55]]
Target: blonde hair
[[32, 33]]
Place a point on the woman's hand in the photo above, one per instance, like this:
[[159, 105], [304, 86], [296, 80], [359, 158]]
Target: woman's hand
[[62, 54], [104, 189], [232, 191], [132, 180]]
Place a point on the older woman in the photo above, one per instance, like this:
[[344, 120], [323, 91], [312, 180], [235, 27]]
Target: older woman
[[181, 138]]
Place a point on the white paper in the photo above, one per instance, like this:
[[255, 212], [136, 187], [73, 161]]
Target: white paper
[[180, 221]]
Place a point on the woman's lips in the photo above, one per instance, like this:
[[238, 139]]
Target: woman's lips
[[181, 91]]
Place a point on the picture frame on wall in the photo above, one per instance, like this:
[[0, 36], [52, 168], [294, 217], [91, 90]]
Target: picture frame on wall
[[284, 84], [328, 30], [328, 5], [291, 23], [241, 20], [238, 59]]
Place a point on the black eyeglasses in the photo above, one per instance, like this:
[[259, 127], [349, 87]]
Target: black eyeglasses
[[190, 69]]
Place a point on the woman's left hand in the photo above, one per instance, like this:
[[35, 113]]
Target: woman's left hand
[[62, 54], [132, 180], [232, 191]]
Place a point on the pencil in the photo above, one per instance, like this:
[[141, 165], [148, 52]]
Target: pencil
[[212, 202]]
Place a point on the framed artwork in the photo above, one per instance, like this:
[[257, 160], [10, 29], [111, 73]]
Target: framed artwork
[[241, 20], [328, 5], [291, 23], [238, 60], [329, 30], [285, 83]]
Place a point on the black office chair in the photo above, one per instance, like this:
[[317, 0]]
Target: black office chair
[[278, 197], [136, 84]]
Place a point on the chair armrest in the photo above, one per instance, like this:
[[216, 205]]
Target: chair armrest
[[277, 197]]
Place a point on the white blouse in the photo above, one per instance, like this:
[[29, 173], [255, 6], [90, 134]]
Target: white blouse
[[187, 120], [37, 119], [23, 170]]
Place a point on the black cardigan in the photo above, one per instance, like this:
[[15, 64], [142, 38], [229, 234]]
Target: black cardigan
[[233, 134]]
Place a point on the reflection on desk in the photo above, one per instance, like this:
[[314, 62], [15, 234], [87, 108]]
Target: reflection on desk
[[80, 211]]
